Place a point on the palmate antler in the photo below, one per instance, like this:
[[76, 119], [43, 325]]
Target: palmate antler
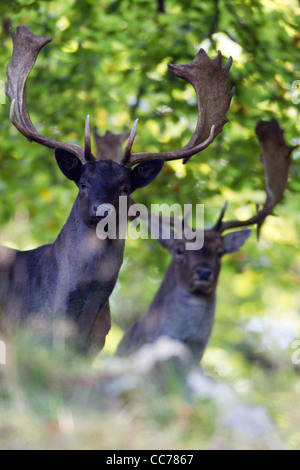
[[210, 82], [207, 76], [26, 47], [276, 159]]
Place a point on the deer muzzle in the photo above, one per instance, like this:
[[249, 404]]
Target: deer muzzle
[[203, 277], [100, 212]]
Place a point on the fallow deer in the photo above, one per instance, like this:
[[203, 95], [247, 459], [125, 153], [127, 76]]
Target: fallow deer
[[184, 307], [74, 277]]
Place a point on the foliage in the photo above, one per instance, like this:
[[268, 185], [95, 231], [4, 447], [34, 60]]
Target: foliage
[[109, 59], [57, 400]]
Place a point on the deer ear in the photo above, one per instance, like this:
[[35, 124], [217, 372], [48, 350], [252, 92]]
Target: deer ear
[[69, 164], [235, 240], [145, 173]]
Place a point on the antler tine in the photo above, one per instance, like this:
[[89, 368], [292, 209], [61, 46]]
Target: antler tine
[[26, 47], [221, 217], [276, 161], [88, 156], [127, 153], [210, 82]]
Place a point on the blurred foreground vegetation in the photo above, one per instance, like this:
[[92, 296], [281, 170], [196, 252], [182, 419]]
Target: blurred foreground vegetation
[[109, 59], [54, 399]]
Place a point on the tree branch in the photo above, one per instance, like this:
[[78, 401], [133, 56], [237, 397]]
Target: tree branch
[[216, 20], [133, 109], [161, 6], [215, 23]]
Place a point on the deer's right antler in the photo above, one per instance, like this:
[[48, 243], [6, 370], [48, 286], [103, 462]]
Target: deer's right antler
[[26, 47], [276, 158], [210, 82]]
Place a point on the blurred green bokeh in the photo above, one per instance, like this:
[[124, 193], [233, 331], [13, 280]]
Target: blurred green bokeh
[[109, 59]]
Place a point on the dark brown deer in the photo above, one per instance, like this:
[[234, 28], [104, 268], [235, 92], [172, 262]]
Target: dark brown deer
[[184, 307], [75, 276]]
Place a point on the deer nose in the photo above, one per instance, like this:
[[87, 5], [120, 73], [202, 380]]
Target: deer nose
[[102, 210], [204, 274]]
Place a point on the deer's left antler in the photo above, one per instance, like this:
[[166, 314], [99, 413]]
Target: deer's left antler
[[276, 159], [26, 47]]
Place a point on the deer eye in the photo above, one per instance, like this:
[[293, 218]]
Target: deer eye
[[83, 185], [125, 191], [180, 250], [221, 253]]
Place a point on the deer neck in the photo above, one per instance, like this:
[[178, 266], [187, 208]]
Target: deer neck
[[181, 315], [172, 290], [197, 306], [79, 250]]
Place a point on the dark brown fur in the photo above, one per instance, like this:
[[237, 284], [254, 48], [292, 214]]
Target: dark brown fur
[[184, 307], [74, 277]]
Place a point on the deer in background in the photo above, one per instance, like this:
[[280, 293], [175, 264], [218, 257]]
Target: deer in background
[[184, 307], [75, 276]]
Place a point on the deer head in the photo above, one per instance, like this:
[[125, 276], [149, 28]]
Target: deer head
[[103, 179], [102, 183], [197, 271]]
